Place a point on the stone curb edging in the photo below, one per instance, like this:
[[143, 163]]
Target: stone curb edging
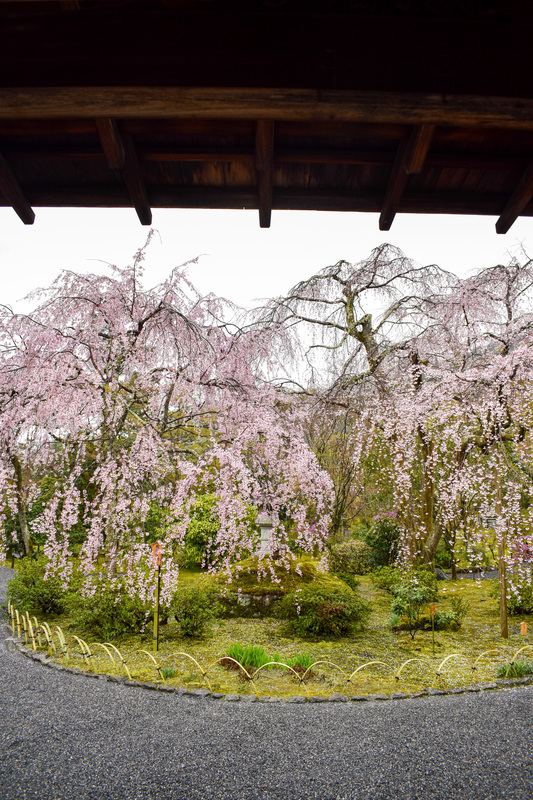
[[16, 645]]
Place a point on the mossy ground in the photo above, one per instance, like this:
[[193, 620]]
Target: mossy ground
[[480, 632]]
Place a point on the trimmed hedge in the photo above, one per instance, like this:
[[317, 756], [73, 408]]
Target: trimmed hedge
[[322, 609], [29, 590], [351, 556], [108, 613], [194, 609]]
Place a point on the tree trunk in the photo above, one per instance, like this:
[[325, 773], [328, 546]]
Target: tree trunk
[[454, 568], [432, 534], [504, 631], [21, 506], [111, 542]]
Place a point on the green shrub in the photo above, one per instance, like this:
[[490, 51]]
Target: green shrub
[[348, 578], [416, 589], [386, 578], [419, 617], [323, 610], [444, 621], [518, 669], [383, 539], [29, 591], [350, 556], [460, 608], [519, 597], [109, 613], [194, 608]]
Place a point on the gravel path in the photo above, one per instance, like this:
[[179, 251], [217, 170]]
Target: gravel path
[[69, 737]]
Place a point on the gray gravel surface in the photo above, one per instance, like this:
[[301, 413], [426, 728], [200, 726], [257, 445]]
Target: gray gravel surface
[[69, 737]]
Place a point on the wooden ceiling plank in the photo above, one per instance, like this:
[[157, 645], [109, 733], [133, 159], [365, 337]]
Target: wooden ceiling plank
[[134, 182], [10, 188], [517, 201], [264, 165], [501, 162], [240, 103], [165, 154], [418, 147], [111, 142]]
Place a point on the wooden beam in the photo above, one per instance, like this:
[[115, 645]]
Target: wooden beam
[[111, 142], [134, 181], [13, 194], [303, 105], [264, 165], [417, 148], [264, 144], [517, 201], [116, 196], [395, 188], [121, 156], [266, 192], [410, 158]]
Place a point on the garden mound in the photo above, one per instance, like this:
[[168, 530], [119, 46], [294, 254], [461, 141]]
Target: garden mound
[[258, 584]]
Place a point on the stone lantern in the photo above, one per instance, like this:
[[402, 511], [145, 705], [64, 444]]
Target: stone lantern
[[264, 521]]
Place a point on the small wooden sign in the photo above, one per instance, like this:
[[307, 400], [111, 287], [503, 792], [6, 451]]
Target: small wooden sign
[[523, 628], [432, 609], [157, 553]]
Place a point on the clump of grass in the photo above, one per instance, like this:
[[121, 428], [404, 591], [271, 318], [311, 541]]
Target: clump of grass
[[252, 657], [249, 658], [515, 669], [169, 672], [300, 662]]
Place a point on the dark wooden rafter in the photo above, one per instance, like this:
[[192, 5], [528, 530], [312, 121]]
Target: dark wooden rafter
[[13, 194], [121, 157], [134, 181], [417, 148], [410, 158], [111, 142], [517, 202], [264, 165]]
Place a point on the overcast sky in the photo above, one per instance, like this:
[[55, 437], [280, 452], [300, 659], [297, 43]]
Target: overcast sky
[[238, 259]]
